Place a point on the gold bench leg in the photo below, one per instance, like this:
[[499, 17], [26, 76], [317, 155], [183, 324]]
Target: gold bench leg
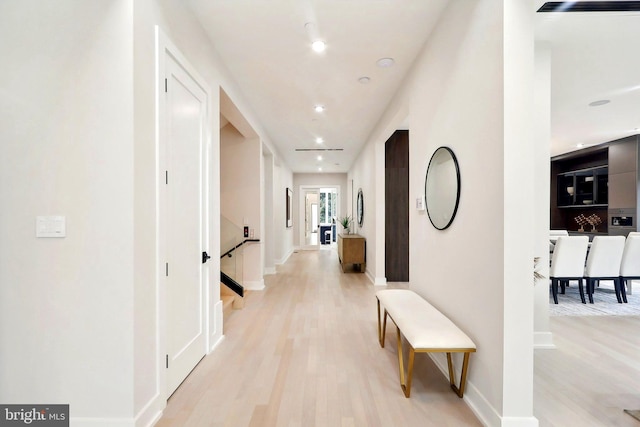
[[463, 377], [405, 384], [382, 329]]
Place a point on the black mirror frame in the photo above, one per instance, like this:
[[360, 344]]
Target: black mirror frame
[[360, 208], [457, 166]]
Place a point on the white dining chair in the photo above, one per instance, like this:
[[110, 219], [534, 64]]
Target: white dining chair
[[567, 263], [630, 264], [605, 256], [553, 237]]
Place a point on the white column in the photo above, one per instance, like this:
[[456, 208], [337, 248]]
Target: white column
[[519, 207], [542, 137]]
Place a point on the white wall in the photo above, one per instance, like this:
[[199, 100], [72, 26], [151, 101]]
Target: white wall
[[77, 135], [268, 224], [178, 23], [284, 243], [78, 139], [240, 195], [240, 179], [363, 175], [66, 148], [470, 90], [181, 27]]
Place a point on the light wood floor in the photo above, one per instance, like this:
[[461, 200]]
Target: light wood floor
[[592, 375], [304, 352]]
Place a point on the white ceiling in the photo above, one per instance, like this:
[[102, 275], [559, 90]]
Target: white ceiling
[[594, 56], [266, 47]]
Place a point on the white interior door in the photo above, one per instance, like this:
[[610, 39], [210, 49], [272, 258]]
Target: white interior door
[[186, 109], [311, 219]]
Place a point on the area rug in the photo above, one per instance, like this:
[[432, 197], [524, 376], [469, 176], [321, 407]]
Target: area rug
[[605, 303]]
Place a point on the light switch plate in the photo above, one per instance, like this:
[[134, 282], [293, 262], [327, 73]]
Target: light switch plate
[[420, 203], [51, 226]]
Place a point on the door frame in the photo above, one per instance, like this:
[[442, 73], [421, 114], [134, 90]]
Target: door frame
[[302, 200], [165, 47], [308, 218]]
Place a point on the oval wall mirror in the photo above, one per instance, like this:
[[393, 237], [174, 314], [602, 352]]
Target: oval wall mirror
[[360, 208], [442, 188]]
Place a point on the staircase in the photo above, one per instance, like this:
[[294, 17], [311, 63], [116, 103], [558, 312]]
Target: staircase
[[231, 294], [231, 266], [230, 300]]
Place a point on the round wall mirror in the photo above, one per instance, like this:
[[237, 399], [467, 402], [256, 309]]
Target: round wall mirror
[[360, 208], [442, 188]]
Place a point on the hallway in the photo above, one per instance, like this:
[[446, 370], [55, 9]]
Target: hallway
[[304, 352]]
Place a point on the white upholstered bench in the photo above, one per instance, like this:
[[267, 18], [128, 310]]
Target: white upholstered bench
[[426, 330]]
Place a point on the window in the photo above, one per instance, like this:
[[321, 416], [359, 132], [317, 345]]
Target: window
[[328, 205]]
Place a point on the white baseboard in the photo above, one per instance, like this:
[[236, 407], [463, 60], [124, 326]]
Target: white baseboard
[[253, 285], [285, 258], [269, 271], [380, 281], [377, 281], [370, 276], [543, 340], [216, 344], [147, 417], [101, 422], [519, 422], [215, 326], [151, 412], [480, 406]]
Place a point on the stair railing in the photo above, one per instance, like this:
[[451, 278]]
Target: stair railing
[[231, 261]]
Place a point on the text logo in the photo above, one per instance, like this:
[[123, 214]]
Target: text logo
[[34, 415]]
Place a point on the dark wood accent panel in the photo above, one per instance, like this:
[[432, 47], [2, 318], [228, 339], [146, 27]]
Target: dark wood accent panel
[[624, 190], [397, 207], [564, 218], [623, 158], [557, 218], [589, 159], [568, 221]]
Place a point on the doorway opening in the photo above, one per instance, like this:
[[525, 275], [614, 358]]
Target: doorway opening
[[320, 213]]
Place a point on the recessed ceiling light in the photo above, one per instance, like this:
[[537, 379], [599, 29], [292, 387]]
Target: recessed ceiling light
[[319, 169], [319, 108], [364, 80], [319, 158], [319, 140], [598, 103], [318, 46], [385, 62], [579, 145]]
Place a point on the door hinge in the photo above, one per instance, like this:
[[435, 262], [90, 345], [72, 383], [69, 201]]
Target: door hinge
[[166, 269], [166, 84], [167, 361]]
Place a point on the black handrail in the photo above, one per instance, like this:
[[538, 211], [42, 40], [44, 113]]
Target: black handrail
[[232, 284], [237, 246]]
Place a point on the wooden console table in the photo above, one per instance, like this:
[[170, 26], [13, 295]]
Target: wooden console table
[[351, 250]]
